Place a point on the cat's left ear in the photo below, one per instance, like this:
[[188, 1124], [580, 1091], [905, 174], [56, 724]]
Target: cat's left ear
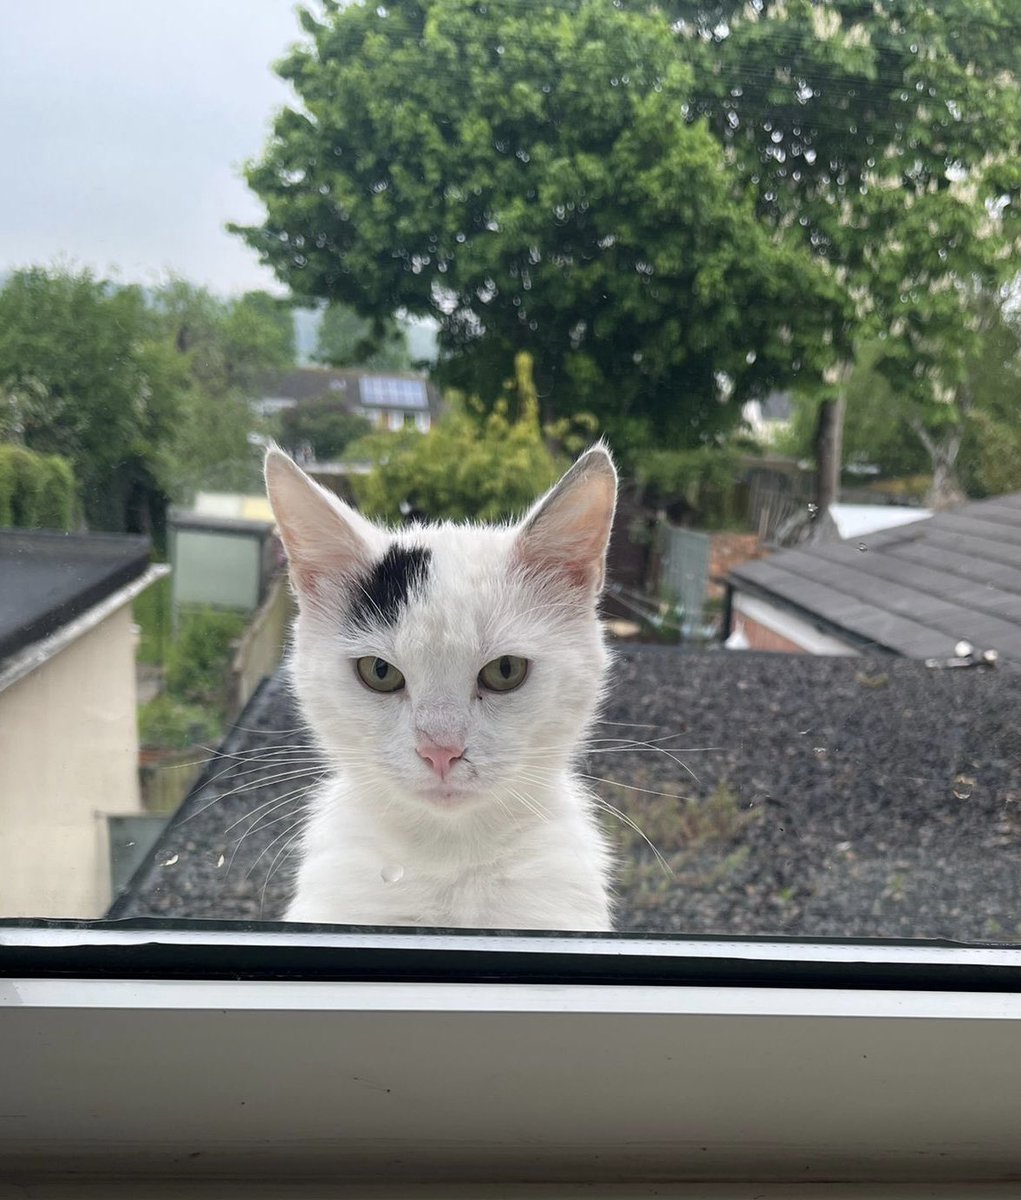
[[568, 530]]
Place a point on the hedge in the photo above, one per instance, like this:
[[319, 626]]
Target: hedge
[[37, 491]]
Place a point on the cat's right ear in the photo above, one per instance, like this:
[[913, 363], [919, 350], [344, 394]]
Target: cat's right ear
[[326, 540]]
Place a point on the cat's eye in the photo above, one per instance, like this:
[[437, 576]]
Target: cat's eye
[[378, 674], [504, 674]]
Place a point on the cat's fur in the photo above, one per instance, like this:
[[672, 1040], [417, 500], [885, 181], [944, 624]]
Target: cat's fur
[[508, 838]]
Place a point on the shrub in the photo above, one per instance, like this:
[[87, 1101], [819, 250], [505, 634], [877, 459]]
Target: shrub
[[175, 725], [37, 491], [471, 465], [198, 659]]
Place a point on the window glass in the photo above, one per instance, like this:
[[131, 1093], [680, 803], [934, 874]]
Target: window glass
[[698, 325]]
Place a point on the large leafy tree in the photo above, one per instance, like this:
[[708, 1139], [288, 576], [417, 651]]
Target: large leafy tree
[[82, 376], [221, 350], [885, 136], [528, 177]]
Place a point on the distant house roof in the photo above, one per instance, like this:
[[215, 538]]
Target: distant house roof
[[48, 579], [357, 389], [916, 590]]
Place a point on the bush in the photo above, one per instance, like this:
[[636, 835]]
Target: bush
[[470, 466], [199, 658], [172, 724], [37, 491]]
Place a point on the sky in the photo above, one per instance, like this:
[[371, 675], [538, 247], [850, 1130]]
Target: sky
[[123, 128]]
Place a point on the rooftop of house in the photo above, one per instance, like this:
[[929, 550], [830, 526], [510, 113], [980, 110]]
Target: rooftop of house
[[400, 390], [49, 579], [916, 590], [823, 797]]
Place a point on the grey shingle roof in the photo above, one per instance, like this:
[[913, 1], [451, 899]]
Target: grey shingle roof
[[916, 590]]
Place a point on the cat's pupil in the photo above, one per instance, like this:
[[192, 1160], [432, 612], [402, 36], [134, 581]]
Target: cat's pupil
[[505, 667], [380, 668]]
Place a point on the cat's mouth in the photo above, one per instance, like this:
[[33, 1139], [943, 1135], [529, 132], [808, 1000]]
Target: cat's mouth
[[449, 795]]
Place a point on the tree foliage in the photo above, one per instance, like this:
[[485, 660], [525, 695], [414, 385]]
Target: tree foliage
[[83, 378], [37, 491], [144, 394], [528, 177], [324, 425], [347, 340], [473, 465], [885, 137]]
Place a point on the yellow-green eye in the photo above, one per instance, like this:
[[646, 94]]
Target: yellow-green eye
[[504, 674], [379, 675]]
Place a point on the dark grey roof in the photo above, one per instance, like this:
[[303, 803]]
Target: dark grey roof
[[916, 590], [48, 579], [826, 797], [393, 389]]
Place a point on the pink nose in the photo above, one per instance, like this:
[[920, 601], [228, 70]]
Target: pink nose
[[439, 757]]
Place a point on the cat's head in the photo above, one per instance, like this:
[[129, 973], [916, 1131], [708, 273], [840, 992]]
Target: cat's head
[[448, 666]]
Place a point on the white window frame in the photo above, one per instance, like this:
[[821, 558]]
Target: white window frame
[[292, 1054]]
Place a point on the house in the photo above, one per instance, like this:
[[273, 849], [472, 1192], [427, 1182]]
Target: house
[[769, 416], [68, 734], [917, 589], [389, 400]]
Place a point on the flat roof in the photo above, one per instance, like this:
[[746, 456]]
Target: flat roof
[[48, 579]]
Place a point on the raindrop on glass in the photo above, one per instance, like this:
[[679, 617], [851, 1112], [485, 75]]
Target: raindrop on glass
[[392, 874]]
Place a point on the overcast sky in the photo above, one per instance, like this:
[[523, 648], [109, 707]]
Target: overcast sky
[[123, 126]]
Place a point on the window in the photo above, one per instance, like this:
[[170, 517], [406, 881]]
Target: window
[[769, 254]]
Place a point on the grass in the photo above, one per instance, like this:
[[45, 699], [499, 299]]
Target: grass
[[700, 838]]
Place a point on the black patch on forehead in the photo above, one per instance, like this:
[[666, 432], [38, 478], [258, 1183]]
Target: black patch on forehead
[[380, 596]]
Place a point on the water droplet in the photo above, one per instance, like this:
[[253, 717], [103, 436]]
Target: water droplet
[[862, 547], [963, 787], [964, 650], [220, 861], [392, 874], [170, 861], [813, 509]]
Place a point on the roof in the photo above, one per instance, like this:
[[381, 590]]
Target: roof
[[838, 797], [916, 590], [356, 389], [48, 579]]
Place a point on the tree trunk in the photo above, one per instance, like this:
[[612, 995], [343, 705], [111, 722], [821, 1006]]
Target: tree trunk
[[829, 448], [945, 491]]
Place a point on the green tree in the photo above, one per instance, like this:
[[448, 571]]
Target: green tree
[[220, 350], [527, 177], [347, 340], [472, 465], [325, 425], [884, 137], [83, 378]]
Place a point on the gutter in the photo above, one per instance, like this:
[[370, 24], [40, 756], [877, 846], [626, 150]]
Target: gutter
[[37, 653]]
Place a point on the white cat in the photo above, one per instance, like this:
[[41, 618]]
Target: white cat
[[449, 673]]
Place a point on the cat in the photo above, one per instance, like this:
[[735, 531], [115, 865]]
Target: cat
[[449, 673]]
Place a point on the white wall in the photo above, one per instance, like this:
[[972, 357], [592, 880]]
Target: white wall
[[68, 756]]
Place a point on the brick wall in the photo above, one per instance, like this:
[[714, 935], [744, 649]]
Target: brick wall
[[727, 551], [761, 638]]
